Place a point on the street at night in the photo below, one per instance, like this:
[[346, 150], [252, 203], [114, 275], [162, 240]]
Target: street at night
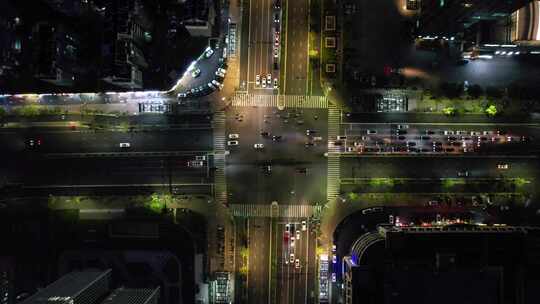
[[269, 151]]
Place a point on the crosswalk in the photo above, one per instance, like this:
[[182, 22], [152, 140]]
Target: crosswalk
[[288, 101], [220, 182], [284, 211], [334, 171]]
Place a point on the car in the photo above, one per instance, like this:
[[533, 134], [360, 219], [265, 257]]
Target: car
[[401, 137], [449, 150], [276, 17], [288, 227], [400, 127], [401, 132], [195, 164], [208, 52], [182, 95], [265, 134], [34, 142], [411, 143], [452, 138], [234, 136], [200, 157], [276, 40], [463, 173], [266, 169], [258, 80], [275, 83], [276, 55], [269, 79], [195, 73], [437, 144], [338, 143], [263, 82], [232, 143], [304, 226], [309, 132], [297, 234], [258, 146], [293, 241], [502, 166], [371, 131], [425, 137], [448, 132], [297, 263], [211, 86], [277, 4], [317, 138], [218, 73], [222, 70], [309, 144], [291, 257], [334, 259], [333, 277], [350, 149], [217, 83], [277, 138], [342, 137], [125, 145], [430, 132], [334, 248]]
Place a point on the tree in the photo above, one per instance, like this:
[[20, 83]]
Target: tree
[[450, 111], [491, 110], [475, 91]]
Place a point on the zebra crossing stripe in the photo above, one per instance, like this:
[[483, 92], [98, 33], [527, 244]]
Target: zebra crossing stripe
[[288, 101], [284, 211]]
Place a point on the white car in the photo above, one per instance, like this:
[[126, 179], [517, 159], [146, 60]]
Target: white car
[[275, 83], [217, 84], [200, 157], [232, 143], [196, 164], [234, 136], [304, 226], [297, 234], [333, 277], [334, 259], [291, 258], [195, 73], [276, 52], [222, 70], [502, 166], [333, 248], [288, 227], [263, 82], [258, 146], [258, 80], [297, 263], [292, 241], [208, 53], [269, 79], [218, 73], [125, 145]]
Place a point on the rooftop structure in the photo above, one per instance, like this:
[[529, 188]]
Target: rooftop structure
[[81, 287], [133, 296]]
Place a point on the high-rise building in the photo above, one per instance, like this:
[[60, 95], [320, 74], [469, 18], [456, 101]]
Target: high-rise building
[[199, 17], [454, 17], [441, 264], [81, 287]]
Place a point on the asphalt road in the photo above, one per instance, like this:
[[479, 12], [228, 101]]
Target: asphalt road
[[439, 139], [284, 185], [79, 141], [296, 61], [106, 172], [295, 283], [262, 31], [426, 167], [258, 274]]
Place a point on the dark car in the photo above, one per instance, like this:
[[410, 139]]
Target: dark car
[[401, 137], [437, 143], [425, 137], [309, 144], [266, 168], [301, 170], [462, 62], [277, 138], [401, 132], [452, 138], [265, 134], [430, 132]]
